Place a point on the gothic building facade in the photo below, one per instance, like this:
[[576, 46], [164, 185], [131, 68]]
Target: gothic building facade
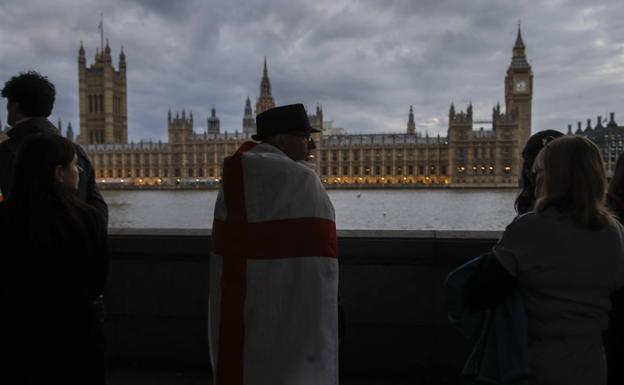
[[465, 157], [102, 99], [609, 137]]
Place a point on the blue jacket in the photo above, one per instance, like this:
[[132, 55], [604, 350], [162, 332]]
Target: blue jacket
[[499, 335]]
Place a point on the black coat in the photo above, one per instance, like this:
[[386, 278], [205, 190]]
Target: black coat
[[54, 266], [87, 189]]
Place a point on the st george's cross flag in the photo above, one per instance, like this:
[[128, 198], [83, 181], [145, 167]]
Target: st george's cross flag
[[273, 274]]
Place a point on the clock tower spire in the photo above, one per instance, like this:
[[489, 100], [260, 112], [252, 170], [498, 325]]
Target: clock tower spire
[[519, 89]]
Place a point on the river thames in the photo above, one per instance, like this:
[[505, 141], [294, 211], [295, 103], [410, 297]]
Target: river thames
[[355, 209]]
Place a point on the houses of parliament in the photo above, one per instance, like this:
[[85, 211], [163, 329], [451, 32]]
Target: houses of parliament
[[466, 157]]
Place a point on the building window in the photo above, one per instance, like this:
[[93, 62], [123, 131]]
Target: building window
[[334, 171], [176, 172], [101, 103], [356, 170], [399, 170], [356, 155], [324, 155], [421, 169], [443, 170], [90, 103], [410, 170], [211, 171], [388, 170], [110, 173], [137, 173], [324, 170], [146, 173], [345, 156], [334, 155], [201, 172], [345, 170], [377, 170], [432, 170], [190, 172]]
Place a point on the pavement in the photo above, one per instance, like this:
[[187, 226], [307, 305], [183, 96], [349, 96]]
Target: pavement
[[154, 376]]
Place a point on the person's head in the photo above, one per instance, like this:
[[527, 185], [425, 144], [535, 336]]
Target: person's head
[[45, 165], [569, 175], [287, 128], [616, 187], [28, 94], [526, 198]]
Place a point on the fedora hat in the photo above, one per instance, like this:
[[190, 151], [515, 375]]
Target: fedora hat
[[282, 120]]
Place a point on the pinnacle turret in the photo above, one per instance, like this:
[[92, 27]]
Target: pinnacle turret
[[411, 125], [265, 100]]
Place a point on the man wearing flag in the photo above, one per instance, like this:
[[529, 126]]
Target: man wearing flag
[[274, 268]]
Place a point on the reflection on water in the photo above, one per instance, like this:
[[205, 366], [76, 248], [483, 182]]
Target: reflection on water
[[355, 209]]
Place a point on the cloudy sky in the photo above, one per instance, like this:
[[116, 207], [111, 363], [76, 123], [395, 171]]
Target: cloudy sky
[[365, 62]]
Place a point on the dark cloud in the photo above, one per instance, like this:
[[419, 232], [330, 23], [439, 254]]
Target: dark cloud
[[365, 62]]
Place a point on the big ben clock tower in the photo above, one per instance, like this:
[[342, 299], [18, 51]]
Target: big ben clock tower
[[519, 89]]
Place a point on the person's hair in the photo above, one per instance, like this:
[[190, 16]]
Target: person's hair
[[36, 197], [526, 198], [616, 187], [34, 167], [32, 91], [573, 181]]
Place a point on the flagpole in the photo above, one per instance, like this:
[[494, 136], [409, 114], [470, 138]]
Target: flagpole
[[102, 32]]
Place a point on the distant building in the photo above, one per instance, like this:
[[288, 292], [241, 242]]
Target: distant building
[[609, 138], [249, 120], [214, 124], [329, 129], [466, 157], [102, 99], [265, 100]]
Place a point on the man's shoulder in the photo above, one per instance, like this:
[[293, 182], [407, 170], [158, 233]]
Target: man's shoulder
[[277, 165], [6, 147]]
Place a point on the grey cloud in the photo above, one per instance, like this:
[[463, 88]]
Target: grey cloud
[[364, 61]]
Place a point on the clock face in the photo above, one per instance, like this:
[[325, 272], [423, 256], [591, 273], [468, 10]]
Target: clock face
[[521, 86]]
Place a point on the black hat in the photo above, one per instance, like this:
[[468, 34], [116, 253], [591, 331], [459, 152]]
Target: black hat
[[281, 120]]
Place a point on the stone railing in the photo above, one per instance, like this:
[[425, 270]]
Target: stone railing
[[391, 286]]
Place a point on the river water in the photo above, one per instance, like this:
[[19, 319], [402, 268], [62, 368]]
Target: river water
[[355, 209]]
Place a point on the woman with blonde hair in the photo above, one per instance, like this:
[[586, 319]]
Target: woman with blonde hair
[[566, 257]]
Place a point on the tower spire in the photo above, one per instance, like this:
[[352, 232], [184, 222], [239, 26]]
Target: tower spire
[[519, 42], [101, 29], [265, 100]]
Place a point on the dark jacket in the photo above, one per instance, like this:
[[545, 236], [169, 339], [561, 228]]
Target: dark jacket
[[87, 189], [54, 265]]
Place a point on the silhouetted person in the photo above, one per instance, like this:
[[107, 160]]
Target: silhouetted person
[[30, 99], [615, 195], [614, 337], [54, 265], [526, 197], [274, 269], [566, 257]]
